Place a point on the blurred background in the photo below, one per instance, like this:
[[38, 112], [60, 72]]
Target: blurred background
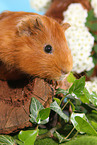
[[17, 5]]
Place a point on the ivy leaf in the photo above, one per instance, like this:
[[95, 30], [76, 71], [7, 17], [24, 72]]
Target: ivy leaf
[[82, 124], [77, 87], [71, 78], [91, 97], [35, 107], [59, 91], [28, 137], [55, 107], [85, 126], [60, 138], [58, 101], [43, 116], [44, 113], [94, 124], [74, 122], [84, 99], [6, 140], [73, 107]]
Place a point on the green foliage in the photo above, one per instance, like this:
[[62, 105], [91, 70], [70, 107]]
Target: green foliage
[[95, 54], [6, 140], [28, 137], [85, 126], [71, 78], [43, 114], [84, 140], [39, 114], [95, 48], [91, 23], [89, 73], [77, 99], [46, 141], [55, 107], [77, 87]]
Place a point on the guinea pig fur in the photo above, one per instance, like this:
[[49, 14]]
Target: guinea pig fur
[[33, 44]]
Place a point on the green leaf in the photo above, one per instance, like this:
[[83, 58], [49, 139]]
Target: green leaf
[[71, 78], [89, 73], [77, 87], [61, 91], [82, 140], [84, 99], [60, 138], [90, 15], [73, 107], [55, 107], [94, 35], [85, 126], [94, 124], [74, 122], [57, 100], [35, 107], [82, 124], [95, 48], [43, 115], [95, 58], [91, 97], [6, 140], [92, 26], [28, 137]]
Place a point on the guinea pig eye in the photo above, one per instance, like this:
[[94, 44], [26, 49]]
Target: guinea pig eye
[[48, 49]]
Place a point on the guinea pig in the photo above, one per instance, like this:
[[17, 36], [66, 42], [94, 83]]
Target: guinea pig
[[34, 45]]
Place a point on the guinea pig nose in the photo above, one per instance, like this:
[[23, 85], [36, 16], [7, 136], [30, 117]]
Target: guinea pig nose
[[64, 72]]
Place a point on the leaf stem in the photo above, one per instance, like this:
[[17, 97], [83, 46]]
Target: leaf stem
[[63, 98], [49, 133], [19, 142], [65, 104], [69, 133], [75, 134]]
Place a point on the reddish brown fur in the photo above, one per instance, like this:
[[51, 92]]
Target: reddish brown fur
[[23, 37]]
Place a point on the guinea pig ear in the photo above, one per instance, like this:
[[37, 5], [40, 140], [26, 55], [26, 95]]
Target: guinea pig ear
[[65, 26], [28, 25]]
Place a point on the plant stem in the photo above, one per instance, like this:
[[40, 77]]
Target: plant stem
[[75, 134], [19, 142], [69, 133], [49, 133], [65, 104], [63, 98]]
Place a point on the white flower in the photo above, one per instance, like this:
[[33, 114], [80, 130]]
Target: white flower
[[91, 85], [75, 14], [79, 39], [94, 5], [40, 5]]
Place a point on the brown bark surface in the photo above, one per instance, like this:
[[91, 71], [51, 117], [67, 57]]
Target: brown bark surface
[[15, 98]]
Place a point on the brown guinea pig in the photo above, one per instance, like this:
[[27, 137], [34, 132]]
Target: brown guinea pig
[[33, 44]]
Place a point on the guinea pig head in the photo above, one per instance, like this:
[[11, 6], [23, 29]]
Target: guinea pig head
[[44, 51]]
